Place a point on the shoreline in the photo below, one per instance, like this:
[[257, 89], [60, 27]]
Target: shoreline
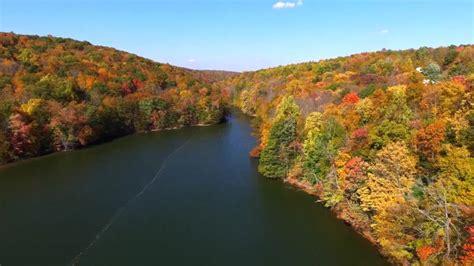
[[311, 190], [99, 143]]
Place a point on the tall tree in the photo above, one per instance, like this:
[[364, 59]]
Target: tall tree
[[277, 154]]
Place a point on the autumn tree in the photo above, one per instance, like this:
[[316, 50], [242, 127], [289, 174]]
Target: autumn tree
[[457, 175], [391, 177], [394, 126], [386, 195], [70, 126], [354, 176], [428, 140], [23, 140], [442, 221], [350, 98]]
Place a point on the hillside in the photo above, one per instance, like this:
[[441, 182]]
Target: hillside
[[58, 94], [385, 139]]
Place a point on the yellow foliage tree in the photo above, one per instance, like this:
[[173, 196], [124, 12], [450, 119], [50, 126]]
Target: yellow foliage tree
[[457, 175], [391, 179], [30, 106]]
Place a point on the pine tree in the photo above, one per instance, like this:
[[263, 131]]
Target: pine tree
[[277, 155]]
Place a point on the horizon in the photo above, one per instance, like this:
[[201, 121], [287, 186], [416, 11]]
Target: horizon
[[243, 71], [272, 33]]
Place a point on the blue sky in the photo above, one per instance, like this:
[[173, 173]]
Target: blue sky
[[245, 34]]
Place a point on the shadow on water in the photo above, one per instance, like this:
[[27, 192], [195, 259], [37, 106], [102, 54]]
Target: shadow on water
[[204, 204]]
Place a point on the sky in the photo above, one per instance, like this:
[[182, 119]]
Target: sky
[[242, 35]]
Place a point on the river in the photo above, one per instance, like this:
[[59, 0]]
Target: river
[[184, 197]]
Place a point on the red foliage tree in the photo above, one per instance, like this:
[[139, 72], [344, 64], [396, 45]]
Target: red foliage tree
[[355, 174], [359, 138], [424, 252], [255, 152], [22, 140], [468, 249], [428, 140], [350, 98]]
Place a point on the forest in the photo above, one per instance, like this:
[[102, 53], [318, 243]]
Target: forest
[[58, 94], [384, 139]]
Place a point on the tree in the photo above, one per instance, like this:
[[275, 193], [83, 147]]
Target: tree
[[364, 109], [441, 220], [312, 129], [358, 138], [467, 134], [354, 175], [247, 101], [350, 98], [386, 132], [428, 140], [23, 141], [70, 126], [148, 113], [451, 96], [277, 154], [386, 195], [4, 148], [457, 175], [313, 123], [467, 257], [321, 147], [432, 72], [452, 54], [397, 109], [53, 87], [391, 178]]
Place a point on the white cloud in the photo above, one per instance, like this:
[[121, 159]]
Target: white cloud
[[384, 31], [191, 60], [281, 5]]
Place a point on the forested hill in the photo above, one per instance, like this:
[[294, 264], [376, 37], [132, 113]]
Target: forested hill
[[57, 94], [386, 139], [212, 76]]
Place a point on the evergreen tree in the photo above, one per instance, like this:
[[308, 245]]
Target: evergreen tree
[[277, 154]]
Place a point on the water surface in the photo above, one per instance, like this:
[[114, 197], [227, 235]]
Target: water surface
[[183, 197]]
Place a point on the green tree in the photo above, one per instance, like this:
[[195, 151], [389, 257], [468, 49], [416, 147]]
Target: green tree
[[54, 88], [397, 109], [321, 147], [4, 147], [432, 72], [277, 154]]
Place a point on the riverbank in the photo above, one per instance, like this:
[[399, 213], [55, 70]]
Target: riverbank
[[342, 214], [101, 142]]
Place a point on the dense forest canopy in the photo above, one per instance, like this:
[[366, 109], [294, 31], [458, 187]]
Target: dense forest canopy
[[57, 94], [385, 139]]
